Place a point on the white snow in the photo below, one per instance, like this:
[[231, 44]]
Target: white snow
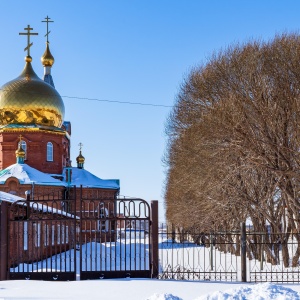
[[28, 175], [256, 292], [142, 289], [7, 197], [87, 179]]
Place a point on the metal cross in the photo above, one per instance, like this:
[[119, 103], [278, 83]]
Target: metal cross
[[80, 146], [47, 21], [28, 33]]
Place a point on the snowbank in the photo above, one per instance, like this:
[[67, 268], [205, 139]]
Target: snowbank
[[146, 289]]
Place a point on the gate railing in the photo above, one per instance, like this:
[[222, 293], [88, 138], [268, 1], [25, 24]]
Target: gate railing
[[58, 239], [115, 238], [53, 244], [41, 240]]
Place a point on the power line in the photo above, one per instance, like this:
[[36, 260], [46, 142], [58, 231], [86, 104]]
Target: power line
[[103, 100], [115, 101]]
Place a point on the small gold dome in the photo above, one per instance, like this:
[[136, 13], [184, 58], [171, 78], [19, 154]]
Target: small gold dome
[[20, 152], [28, 58], [80, 158], [29, 100], [47, 59]]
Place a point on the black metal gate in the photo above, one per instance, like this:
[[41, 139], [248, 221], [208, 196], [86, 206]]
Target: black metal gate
[[58, 239], [41, 240], [115, 238]]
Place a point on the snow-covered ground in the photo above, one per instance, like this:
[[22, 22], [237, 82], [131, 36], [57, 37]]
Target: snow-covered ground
[[142, 289], [139, 289]]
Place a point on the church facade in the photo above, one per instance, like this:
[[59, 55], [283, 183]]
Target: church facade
[[35, 138]]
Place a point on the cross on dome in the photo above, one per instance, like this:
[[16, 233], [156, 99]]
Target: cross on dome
[[28, 33], [80, 146], [47, 58], [47, 20]]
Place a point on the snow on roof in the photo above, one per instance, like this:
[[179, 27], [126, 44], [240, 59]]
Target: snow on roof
[[28, 175], [49, 209], [7, 197], [87, 179]]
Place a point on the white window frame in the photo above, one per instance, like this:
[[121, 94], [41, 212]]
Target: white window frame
[[49, 151]]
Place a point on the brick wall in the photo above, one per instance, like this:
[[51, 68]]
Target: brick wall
[[36, 154]]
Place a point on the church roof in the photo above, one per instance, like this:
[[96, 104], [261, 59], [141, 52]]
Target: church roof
[[87, 179], [9, 197], [28, 175]]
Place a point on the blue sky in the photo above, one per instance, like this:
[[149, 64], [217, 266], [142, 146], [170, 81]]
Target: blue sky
[[130, 51]]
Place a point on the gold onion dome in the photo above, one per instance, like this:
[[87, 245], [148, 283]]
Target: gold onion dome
[[20, 152], [80, 158], [29, 100], [47, 59]]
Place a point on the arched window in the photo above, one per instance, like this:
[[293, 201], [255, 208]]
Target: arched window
[[24, 147], [49, 151]]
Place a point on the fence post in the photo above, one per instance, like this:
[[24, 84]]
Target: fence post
[[154, 239], [3, 240], [211, 256], [173, 234], [243, 253], [262, 251], [27, 193]]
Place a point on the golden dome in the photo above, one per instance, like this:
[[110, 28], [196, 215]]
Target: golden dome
[[80, 158], [47, 59], [20, 152], [29, 100]]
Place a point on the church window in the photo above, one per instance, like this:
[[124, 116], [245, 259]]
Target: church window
[[49, 151], [24, 147]]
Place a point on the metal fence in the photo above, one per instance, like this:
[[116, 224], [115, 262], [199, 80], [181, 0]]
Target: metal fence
[[273, 257], [95, 239], [69, 239], [195, 255], [241, 255]]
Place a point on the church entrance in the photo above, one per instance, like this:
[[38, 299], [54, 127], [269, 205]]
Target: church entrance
[[76, 239]]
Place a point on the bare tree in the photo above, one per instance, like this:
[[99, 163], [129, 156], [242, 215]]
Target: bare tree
[[234, 142]]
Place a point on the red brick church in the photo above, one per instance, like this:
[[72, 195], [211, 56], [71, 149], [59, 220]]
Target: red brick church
[[35, 138]]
